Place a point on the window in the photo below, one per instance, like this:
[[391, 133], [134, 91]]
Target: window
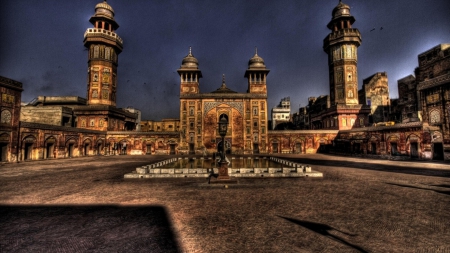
[[96, 51], [107, 54], [344, 122], [350, 93], [6, 117], [83, 123]]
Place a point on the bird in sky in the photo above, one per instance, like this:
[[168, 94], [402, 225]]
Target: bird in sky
[[373, 29]]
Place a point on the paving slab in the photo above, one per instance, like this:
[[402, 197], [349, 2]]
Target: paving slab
[[360, 205]]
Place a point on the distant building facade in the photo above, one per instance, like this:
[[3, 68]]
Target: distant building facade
[[433, 78], [408, 100], [281, 113], [375, 93], [11, 94]]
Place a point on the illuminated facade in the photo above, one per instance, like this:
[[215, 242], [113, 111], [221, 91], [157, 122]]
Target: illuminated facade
[[246, 112]]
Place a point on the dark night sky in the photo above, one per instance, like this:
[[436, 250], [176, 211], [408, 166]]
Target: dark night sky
[[41, 45]]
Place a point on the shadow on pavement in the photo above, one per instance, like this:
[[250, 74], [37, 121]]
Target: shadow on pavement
[[86, 228], [324, 230], [420, 188], [375, 167]]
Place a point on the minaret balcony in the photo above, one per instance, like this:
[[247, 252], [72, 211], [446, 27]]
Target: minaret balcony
[[103, 33], [343, 35]]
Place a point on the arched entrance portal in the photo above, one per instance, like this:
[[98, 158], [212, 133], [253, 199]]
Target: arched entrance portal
[[50, 145], [86, 147], [70, 144], [99, 147], [27, 147], [4, 144]]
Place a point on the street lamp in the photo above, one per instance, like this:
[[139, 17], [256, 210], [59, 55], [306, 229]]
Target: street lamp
[[223, 168]]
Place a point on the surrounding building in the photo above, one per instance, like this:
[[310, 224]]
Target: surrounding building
[[281, 113], [61, 127], [166, 125], [11, 94], [408, 100], [375, 93], [433, 78]]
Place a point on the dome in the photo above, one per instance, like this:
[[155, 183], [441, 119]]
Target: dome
[[104, 8], [341, 10], [256, 60], [189, 60]]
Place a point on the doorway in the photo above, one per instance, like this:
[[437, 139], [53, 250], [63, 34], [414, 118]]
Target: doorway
[[373, 148], [28, 151], [4, 150], [172, 149], [149, 150], [438, 151], [274, 147], [414, 150], [99, 148], [356, 148], [255, 148], [86, 149], [191, 148], [50, 149], [394, 150], [70, 149], [298, 148]]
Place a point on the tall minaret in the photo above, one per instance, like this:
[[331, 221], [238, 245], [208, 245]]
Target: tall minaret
[[104, 47], [341, 45], [190, 75], [256, 74]]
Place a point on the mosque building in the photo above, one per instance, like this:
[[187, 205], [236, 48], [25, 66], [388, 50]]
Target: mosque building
[[246, 112], [61, 127]]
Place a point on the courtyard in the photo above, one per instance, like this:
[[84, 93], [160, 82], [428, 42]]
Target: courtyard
[[360, 205]]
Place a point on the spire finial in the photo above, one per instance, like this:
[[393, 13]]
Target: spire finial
[[190, 50], [223, 81], [256, 50]]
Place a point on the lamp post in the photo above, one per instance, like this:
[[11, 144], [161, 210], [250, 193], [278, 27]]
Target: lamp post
[[223, 164]]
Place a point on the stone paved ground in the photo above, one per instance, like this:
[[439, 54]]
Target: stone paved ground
[[85, 204]]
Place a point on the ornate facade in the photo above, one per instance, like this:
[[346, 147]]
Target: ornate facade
[[375, 93], [341, 45], [11, 93], [246, 112], [433, 78], [75, 126]]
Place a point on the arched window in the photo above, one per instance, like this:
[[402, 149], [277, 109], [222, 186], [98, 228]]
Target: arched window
[[96, 51], [350, 94], [435, 116], [6, 117], [107, 54]]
